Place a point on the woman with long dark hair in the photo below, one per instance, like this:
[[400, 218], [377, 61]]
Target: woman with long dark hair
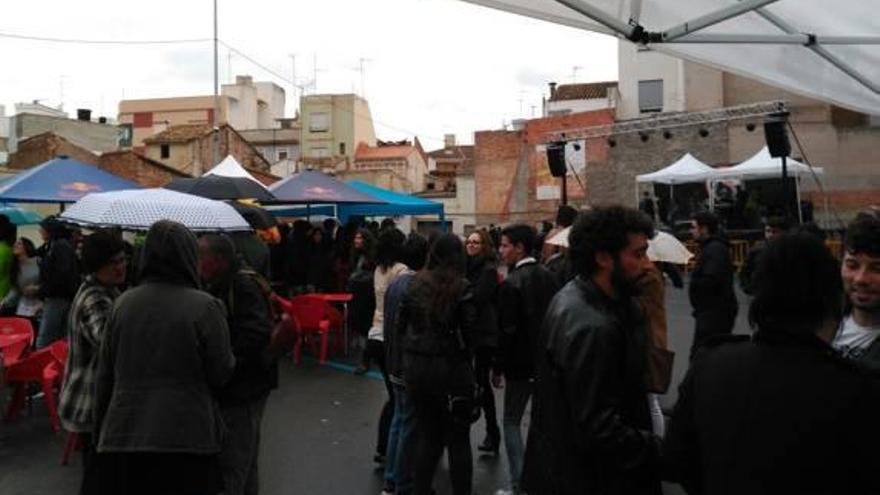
[[482, 273], [320, 262], [360, 285], [389, 257], [437, 319]]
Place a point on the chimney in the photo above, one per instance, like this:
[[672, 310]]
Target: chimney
[[244, 81], [552, 90], [84, 114], [448, 140], [102, 120]]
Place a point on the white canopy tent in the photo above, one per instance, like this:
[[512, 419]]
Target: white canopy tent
[[686, 169], [230, 167], [817, 48], [764, 166]]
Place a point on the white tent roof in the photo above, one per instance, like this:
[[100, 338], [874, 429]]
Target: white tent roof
[[230, 167], [763, 166], [686, 169], [823, 49]]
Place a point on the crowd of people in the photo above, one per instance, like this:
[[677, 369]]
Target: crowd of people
[[171, 363]]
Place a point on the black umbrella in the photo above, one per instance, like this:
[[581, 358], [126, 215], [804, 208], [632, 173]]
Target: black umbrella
[[221, 187], [257, 217]]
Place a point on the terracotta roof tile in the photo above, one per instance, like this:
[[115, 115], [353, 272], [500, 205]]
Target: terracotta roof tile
[[585, 91], [387, 152], [179, 134]]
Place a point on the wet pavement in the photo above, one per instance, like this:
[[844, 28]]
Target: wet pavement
[[319, 432]]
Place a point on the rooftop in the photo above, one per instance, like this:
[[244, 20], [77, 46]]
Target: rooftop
[[183, 133], [583, 91]]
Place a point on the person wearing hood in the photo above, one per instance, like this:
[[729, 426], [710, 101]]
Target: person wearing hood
[[166, 351], [59, 280], [711, 286], [242, 401]]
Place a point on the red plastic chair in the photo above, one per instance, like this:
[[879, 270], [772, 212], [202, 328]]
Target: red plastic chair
[[312, 315], [41, 367], [20, 333]]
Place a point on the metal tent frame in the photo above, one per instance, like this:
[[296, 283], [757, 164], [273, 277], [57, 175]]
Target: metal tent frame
[[597, 19]]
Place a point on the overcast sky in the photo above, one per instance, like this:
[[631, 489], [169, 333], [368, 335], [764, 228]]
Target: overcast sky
[[433, 66]]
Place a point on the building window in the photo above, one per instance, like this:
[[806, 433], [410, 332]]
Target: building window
[[164, 151], [341, 148], [651, 96], [282, 155], [319, 122]]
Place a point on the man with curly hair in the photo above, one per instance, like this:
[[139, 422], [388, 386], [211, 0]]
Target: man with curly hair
[[591, 427]]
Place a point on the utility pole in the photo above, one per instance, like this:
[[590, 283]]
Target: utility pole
[[61, 92], [315, 71], [215, 151]]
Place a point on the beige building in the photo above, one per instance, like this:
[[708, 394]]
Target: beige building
[[334, 126], [244, 105], [399, 166]]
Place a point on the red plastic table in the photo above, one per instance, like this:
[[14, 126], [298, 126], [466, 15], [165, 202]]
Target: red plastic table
[[340, 298]]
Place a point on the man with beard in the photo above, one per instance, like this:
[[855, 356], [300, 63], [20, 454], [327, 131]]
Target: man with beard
[[591, 426], [857, 337]]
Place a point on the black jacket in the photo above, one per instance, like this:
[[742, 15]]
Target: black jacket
[[392, 337], [780, 413], [711, 286], [59, 273], [523, 298], [250, 329], [747, 273], [483, 277], [591, 428], [437, 350]]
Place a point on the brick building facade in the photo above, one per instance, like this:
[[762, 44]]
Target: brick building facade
[[512, 177]]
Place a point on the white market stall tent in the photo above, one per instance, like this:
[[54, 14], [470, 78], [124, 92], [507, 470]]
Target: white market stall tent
[[685, 170], [764, 166]]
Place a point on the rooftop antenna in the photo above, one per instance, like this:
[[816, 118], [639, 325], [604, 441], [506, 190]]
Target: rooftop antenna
[[574, 72], [61, 91], [362, 71]]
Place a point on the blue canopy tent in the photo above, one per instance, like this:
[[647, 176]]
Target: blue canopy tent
[[396, 204], [60, 180], [393, 204]]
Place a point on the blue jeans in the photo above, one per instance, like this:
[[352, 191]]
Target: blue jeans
[[516, 396], [398, 468], [53, 324]]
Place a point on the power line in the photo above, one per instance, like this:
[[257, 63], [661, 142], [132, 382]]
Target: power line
[[102, 42], [240, 53]]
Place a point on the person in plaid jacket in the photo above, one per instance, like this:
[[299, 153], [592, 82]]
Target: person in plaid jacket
[[104, 260]]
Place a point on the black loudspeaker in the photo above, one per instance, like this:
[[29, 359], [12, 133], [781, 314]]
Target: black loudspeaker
[[556, 158], [776, 135]]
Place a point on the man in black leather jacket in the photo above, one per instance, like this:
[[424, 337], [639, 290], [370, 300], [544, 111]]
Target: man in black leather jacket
[[591, 426], [711, 286], [522, 301]]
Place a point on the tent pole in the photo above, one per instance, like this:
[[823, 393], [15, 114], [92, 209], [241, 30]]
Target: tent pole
[[735, 10], [600, 16], [797, 189]]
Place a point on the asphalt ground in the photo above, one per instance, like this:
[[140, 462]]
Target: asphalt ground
[[319, 431]]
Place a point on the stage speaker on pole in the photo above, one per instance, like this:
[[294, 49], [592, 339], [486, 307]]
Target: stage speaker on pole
[[776, 134], [556, 158]]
